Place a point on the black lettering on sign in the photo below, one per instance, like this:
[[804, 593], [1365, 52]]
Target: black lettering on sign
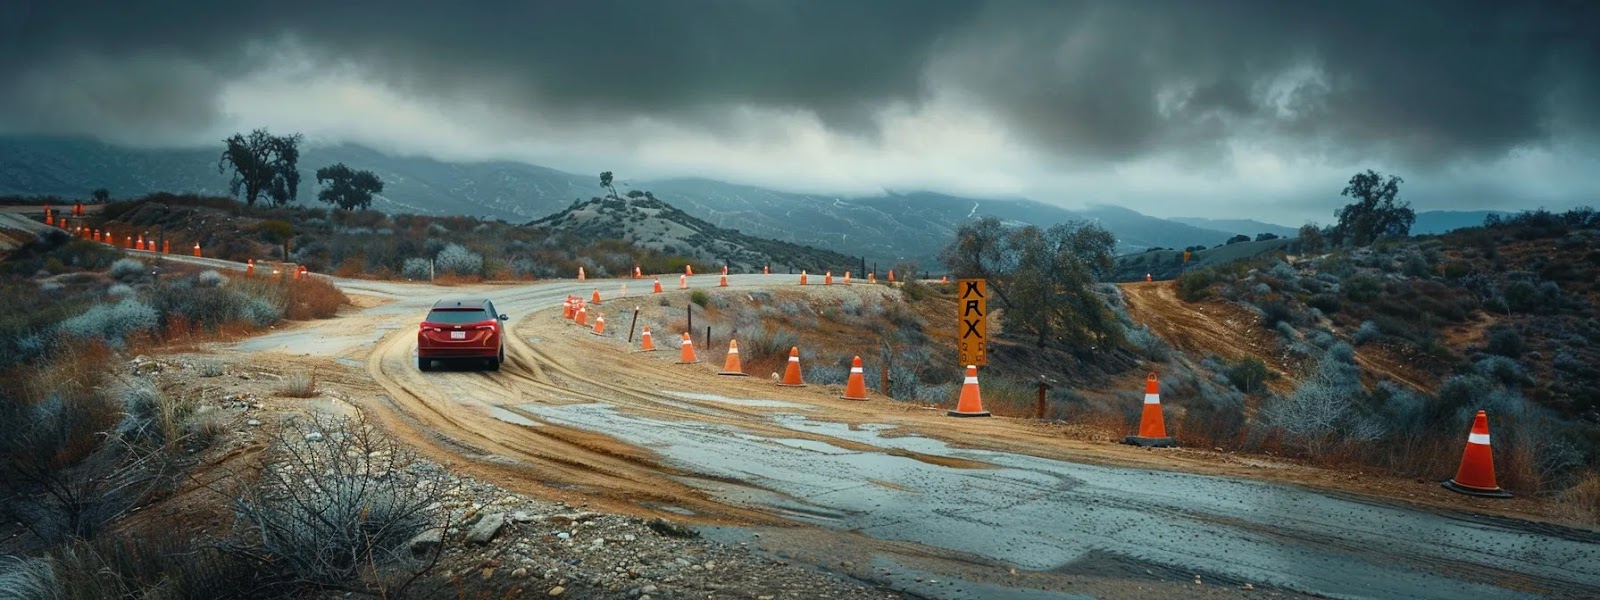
[[973, 307], [972, 290], [972, 328]]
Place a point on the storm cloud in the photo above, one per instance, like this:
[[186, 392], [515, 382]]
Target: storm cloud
[[1055, 92]]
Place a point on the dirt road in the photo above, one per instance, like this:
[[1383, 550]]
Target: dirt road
[[903, 496]]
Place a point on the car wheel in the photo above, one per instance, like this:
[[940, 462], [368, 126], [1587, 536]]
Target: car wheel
[[494, 364], [424, 364]]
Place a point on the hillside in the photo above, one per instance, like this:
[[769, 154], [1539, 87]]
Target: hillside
[[647, 222], [1250, 227], [887, 227]]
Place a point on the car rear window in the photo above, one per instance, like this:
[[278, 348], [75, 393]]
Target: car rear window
[[458, 316]]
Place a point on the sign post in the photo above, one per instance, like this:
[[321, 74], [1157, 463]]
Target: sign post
[[973, 331]]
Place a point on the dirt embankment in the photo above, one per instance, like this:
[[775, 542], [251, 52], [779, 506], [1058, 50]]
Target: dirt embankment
[[1233, 332]]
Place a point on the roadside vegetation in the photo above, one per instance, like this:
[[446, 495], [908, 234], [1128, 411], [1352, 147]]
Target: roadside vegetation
[[1501, 318]]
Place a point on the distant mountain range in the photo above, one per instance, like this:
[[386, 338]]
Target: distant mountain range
[[885, 227]]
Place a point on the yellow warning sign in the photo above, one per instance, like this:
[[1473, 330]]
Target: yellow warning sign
[[973, 338]]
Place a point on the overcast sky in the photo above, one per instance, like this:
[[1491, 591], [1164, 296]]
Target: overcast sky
[[1220, 108]]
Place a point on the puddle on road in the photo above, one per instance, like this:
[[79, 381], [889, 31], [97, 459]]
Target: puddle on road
[[1043, 514], [504, 414], [741, 401]]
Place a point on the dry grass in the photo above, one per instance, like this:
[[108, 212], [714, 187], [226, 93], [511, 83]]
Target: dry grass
[[1581, 502], [313, 298], [298, 385]]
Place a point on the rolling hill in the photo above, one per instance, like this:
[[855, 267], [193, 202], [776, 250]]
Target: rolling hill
[[885, 227]]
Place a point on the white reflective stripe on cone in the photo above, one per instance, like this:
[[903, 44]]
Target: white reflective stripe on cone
[[1478, 438], [1152, 398], [794, 359], [971, 381], [855, 369], [733, 351]]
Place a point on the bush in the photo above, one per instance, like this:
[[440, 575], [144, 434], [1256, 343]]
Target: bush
[[1506, 341], [1149, 345], [457, 259], [763, 343], [700, 297], [333, 507], [1327, 303], [1366, 333], [119, 290], [211, 279], [1195, 286], [1274, 312], [1249, 374], [1363, 287], [1522, 297], [1502, 369], [210, 368], [416, 269], [128, 269], [298, 385], [113, 323]]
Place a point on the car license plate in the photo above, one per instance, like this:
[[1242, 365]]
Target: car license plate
[[458, 335]]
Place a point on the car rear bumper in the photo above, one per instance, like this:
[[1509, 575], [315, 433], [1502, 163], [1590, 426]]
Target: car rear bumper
[[490, 352]]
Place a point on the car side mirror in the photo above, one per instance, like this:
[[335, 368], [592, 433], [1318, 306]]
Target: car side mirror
[[504, 318]]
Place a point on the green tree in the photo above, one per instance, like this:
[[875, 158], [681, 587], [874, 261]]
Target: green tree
[[101, 195], [262, 163], [1310, 238], [347, 188], [606, 180], [1375, 213], [1043, 278]]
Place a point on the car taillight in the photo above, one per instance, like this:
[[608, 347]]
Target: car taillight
[[489, 326], [429, 327]]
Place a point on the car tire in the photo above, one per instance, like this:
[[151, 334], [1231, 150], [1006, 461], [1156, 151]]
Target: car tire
[[424, 364], [494, 364]]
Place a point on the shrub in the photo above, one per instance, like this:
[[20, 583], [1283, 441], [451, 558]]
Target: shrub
[[916, 291], [298, 385], [127, 269], [763, 343], [457, 259], [119, 290], [700, 297], [1327, 303], [1502, 369], [1506, 341], [1195, 286], [333, 507], [1363, 287], [1248, 374], [1521, 297], [209, 368], [1274, 312], [211, 279], [416, 269], [113, 322], [1150, 345], [1366, 333]]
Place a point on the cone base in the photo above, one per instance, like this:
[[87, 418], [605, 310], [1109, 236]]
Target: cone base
[[733, 374], [599, 334], [957, 413], [1472, 491], [1150, 442], [650, 350], [692, 362], [863, 398], [791, 385]]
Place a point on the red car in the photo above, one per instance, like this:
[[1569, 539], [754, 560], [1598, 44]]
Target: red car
[[461, 329]]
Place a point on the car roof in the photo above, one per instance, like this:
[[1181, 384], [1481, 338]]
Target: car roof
[[461, 303]]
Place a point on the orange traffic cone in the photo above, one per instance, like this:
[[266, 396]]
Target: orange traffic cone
[[724, 270], [731, 365], [891, 275], [48, 218], [658, 286], [944, 279], [847, 278], [872, 277], [827, 278], [791, 375], [566, 308], [249, 267], [802, 276], [686, 353], [1147, 277], [166, 246], [599, 325], [855, 388], [1152, 429], [197, 248], [970, 404], [582, 316], [595, 298], [683, 282], [636, 274], [581, 276], [1476, 475], [723, 282], [766, 270], [688, 270], [645, 343]]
